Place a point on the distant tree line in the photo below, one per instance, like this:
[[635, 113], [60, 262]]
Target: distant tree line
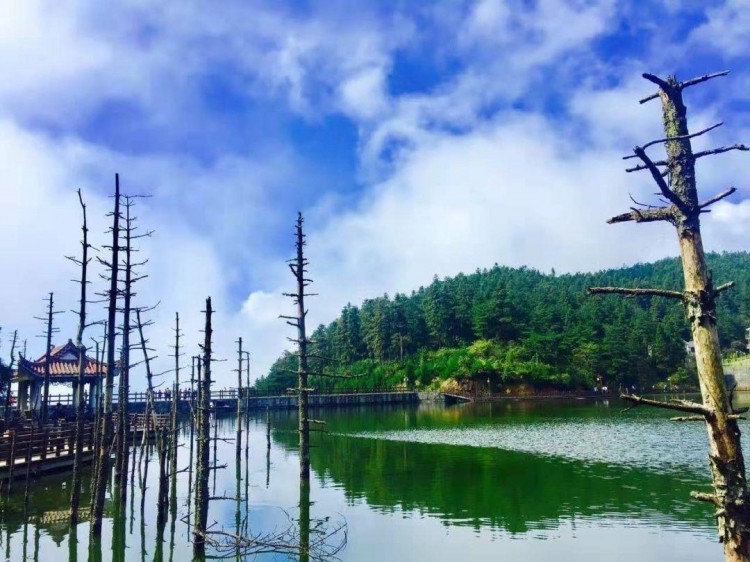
[[524, 326]]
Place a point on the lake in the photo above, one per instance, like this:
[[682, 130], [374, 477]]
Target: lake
[[565, 480]]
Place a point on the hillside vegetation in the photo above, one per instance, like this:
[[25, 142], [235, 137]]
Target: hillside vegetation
[[521, 326]]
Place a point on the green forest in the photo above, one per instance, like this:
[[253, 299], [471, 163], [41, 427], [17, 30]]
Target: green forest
[[519, 326]]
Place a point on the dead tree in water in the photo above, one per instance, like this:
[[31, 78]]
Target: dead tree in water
[[173, 415], [204, 430], [13, 342], [298, 266], [238, 438], [75, 492], [129, 238], [102, 455], [682, 209], [48, 335], [161, 432]]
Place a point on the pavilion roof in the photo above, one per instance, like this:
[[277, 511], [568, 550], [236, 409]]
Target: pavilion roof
[[63, 365]]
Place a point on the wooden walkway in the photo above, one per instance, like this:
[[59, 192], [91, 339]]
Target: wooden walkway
[[40, 450], [51, 448]]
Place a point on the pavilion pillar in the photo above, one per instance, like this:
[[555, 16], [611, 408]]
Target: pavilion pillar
[[36, 395], [23, 396], [94, 390], [75, 396]]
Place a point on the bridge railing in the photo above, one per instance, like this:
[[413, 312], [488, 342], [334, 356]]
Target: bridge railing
[[66, 400]]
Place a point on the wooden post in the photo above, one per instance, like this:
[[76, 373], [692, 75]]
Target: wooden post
[[6, 413], [11, 460]]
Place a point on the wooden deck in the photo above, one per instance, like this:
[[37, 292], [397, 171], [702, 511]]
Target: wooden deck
[[41, 450]]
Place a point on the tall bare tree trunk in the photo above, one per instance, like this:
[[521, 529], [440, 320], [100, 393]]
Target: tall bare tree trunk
[[238, 438], [173, 417], [204, 431], [50, 329], [298, 265], [122, 441], [102, 467], [75, 492], [730, 496]]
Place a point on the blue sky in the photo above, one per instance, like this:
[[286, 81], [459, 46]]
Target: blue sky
[[418, 138]]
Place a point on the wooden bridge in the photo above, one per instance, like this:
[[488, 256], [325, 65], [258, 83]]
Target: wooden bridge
[[50, 448], [37, 450], [226, 399]]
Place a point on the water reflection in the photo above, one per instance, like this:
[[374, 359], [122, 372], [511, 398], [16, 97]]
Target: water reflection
[[424, 477]]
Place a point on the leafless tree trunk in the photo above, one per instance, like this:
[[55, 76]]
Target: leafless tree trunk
[[48, 334], [682, 209], [75, 493], [204, 431], [162, 433], [98, 410], [130, 236], [150, 407], [298, 266], [102, 467], [238, 438], [173, 417], [121, 440]]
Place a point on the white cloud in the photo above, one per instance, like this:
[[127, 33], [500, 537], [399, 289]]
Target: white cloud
[[467, 181], [725, 29]]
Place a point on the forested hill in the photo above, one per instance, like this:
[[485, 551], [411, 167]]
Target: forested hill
[[522, 326]]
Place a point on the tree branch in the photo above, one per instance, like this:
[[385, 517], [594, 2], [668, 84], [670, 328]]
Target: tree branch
[[644, 215], [720, 150], [635, 292], [718, 197], [704, 497], [659, 179], [665, 86], [679, 405], [684, 137], [701, 79]]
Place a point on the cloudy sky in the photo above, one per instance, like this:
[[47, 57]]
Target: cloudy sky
[[417, 138]]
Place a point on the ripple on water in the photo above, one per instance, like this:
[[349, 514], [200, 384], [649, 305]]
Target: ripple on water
[[651, 443]]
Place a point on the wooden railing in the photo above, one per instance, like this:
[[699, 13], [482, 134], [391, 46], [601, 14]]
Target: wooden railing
[[19, 445], [66, 400]]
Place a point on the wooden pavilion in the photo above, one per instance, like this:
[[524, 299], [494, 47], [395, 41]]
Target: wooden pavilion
[[63, 369]]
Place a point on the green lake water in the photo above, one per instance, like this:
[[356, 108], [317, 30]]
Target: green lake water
[[573, 480]]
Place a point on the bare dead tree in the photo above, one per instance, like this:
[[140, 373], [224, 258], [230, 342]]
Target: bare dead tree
[[173, 414], [160, 431], [325, 542], [98, 405], [298, 266], [83, 263], [102, 454], [13, 343], [238, 438], [682, 209], [204, 430], [49, 330], [247, 379], [129, 236]]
